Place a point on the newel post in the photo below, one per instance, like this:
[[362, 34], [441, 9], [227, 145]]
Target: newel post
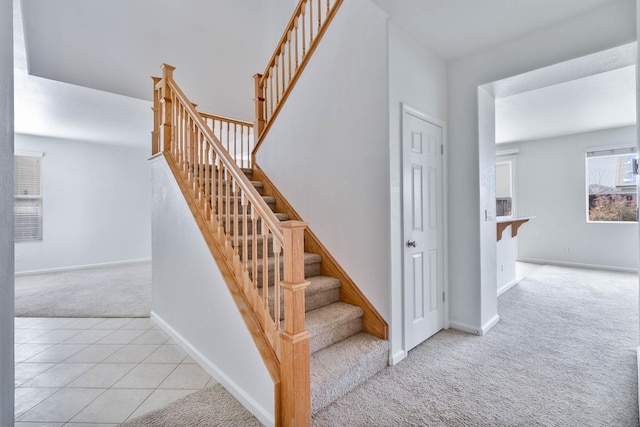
[[155, 134], [295, 397], [167, 123], [260, 122]]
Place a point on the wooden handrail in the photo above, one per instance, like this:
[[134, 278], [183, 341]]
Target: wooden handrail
[[238, 225], [307, 25]]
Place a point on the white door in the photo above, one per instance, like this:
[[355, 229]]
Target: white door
[[422, 145]]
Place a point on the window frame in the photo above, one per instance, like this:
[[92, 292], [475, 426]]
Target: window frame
[[607, 151]]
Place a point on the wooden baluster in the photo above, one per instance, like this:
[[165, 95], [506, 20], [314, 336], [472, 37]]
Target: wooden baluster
[[294, 339], [328, 7], [242, 148], [207, 182], [212, 191], [245, 235], [284, 80], [155, 133], [254, 247], [259, 103], [304, 34], [276, 281], [289, 51], [184, 147], [310, 3], [220, 199], [236, 229], [319, 15], [270, 96], [227, 207], [228, 140], [235, 143], [264, 232], [277, 76], [199, 138], [297, 51]]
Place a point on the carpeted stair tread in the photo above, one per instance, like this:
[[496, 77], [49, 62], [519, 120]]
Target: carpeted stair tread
[[311, 267], [322, 291], [332, 323], [338, 369]]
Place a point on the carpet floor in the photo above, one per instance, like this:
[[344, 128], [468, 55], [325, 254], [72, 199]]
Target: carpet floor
[[109, 291], [563, 354]]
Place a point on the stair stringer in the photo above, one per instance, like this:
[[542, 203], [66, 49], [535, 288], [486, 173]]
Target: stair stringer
[[372, 321], [233, 279]]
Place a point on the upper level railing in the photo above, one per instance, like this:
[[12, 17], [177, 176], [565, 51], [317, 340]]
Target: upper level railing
[[264, 257], [235, 135], [308, 24]]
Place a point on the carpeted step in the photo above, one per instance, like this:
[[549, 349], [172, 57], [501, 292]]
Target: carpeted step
[[338, 369], [311, 267], [322, 291], [332, 323], [280, 216]]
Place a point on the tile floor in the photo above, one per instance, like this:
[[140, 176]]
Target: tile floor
[[99, 372]]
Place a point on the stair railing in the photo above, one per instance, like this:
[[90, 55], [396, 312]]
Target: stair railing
[[225, 203], [235, 135], [308, 24]]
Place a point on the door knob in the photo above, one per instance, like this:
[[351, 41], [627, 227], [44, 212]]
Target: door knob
[[411, 243]]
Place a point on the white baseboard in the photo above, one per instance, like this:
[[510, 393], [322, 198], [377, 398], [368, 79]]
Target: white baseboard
[[508, 286], [638, 353], [578, 265], [490, 324], [474, 330], [81, 267], [463, 327], [397, 357], [242, 396]]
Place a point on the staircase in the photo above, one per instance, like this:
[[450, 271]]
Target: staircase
[[342, 356], [317, 333]]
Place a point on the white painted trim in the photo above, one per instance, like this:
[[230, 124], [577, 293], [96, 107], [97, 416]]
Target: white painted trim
[[397, 357], [464, 327], [577, 265], [507, 152], [82, 267], [508, 286], [243, 397], [406, 108], [490, 324]]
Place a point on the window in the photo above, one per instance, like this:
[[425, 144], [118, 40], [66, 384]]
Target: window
[[505, 200], [611, 185], [27, 211]]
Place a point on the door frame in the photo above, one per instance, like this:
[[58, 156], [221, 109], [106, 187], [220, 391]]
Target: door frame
[[408, 109]]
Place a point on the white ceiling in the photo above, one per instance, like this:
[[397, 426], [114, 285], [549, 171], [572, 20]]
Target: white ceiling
[[599, 101], [455, 28], [117, 45], [84, 55]]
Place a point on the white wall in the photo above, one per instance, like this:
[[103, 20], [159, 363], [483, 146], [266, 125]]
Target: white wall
[[6, 215], [328, 150], [551, 186], [606, 27], [96, 205], [192, 302], [418, 78]]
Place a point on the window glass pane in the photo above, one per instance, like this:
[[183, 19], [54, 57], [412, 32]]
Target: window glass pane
[[611, 187]]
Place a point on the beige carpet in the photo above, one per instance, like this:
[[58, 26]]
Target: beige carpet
[[109, 291], [563, 354]]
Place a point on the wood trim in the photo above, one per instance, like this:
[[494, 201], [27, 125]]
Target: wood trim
[[372, 322], [234, 283], [316, 41], [226, 119]]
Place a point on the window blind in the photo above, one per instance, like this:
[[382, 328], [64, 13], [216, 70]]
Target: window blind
[[27, 211]]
